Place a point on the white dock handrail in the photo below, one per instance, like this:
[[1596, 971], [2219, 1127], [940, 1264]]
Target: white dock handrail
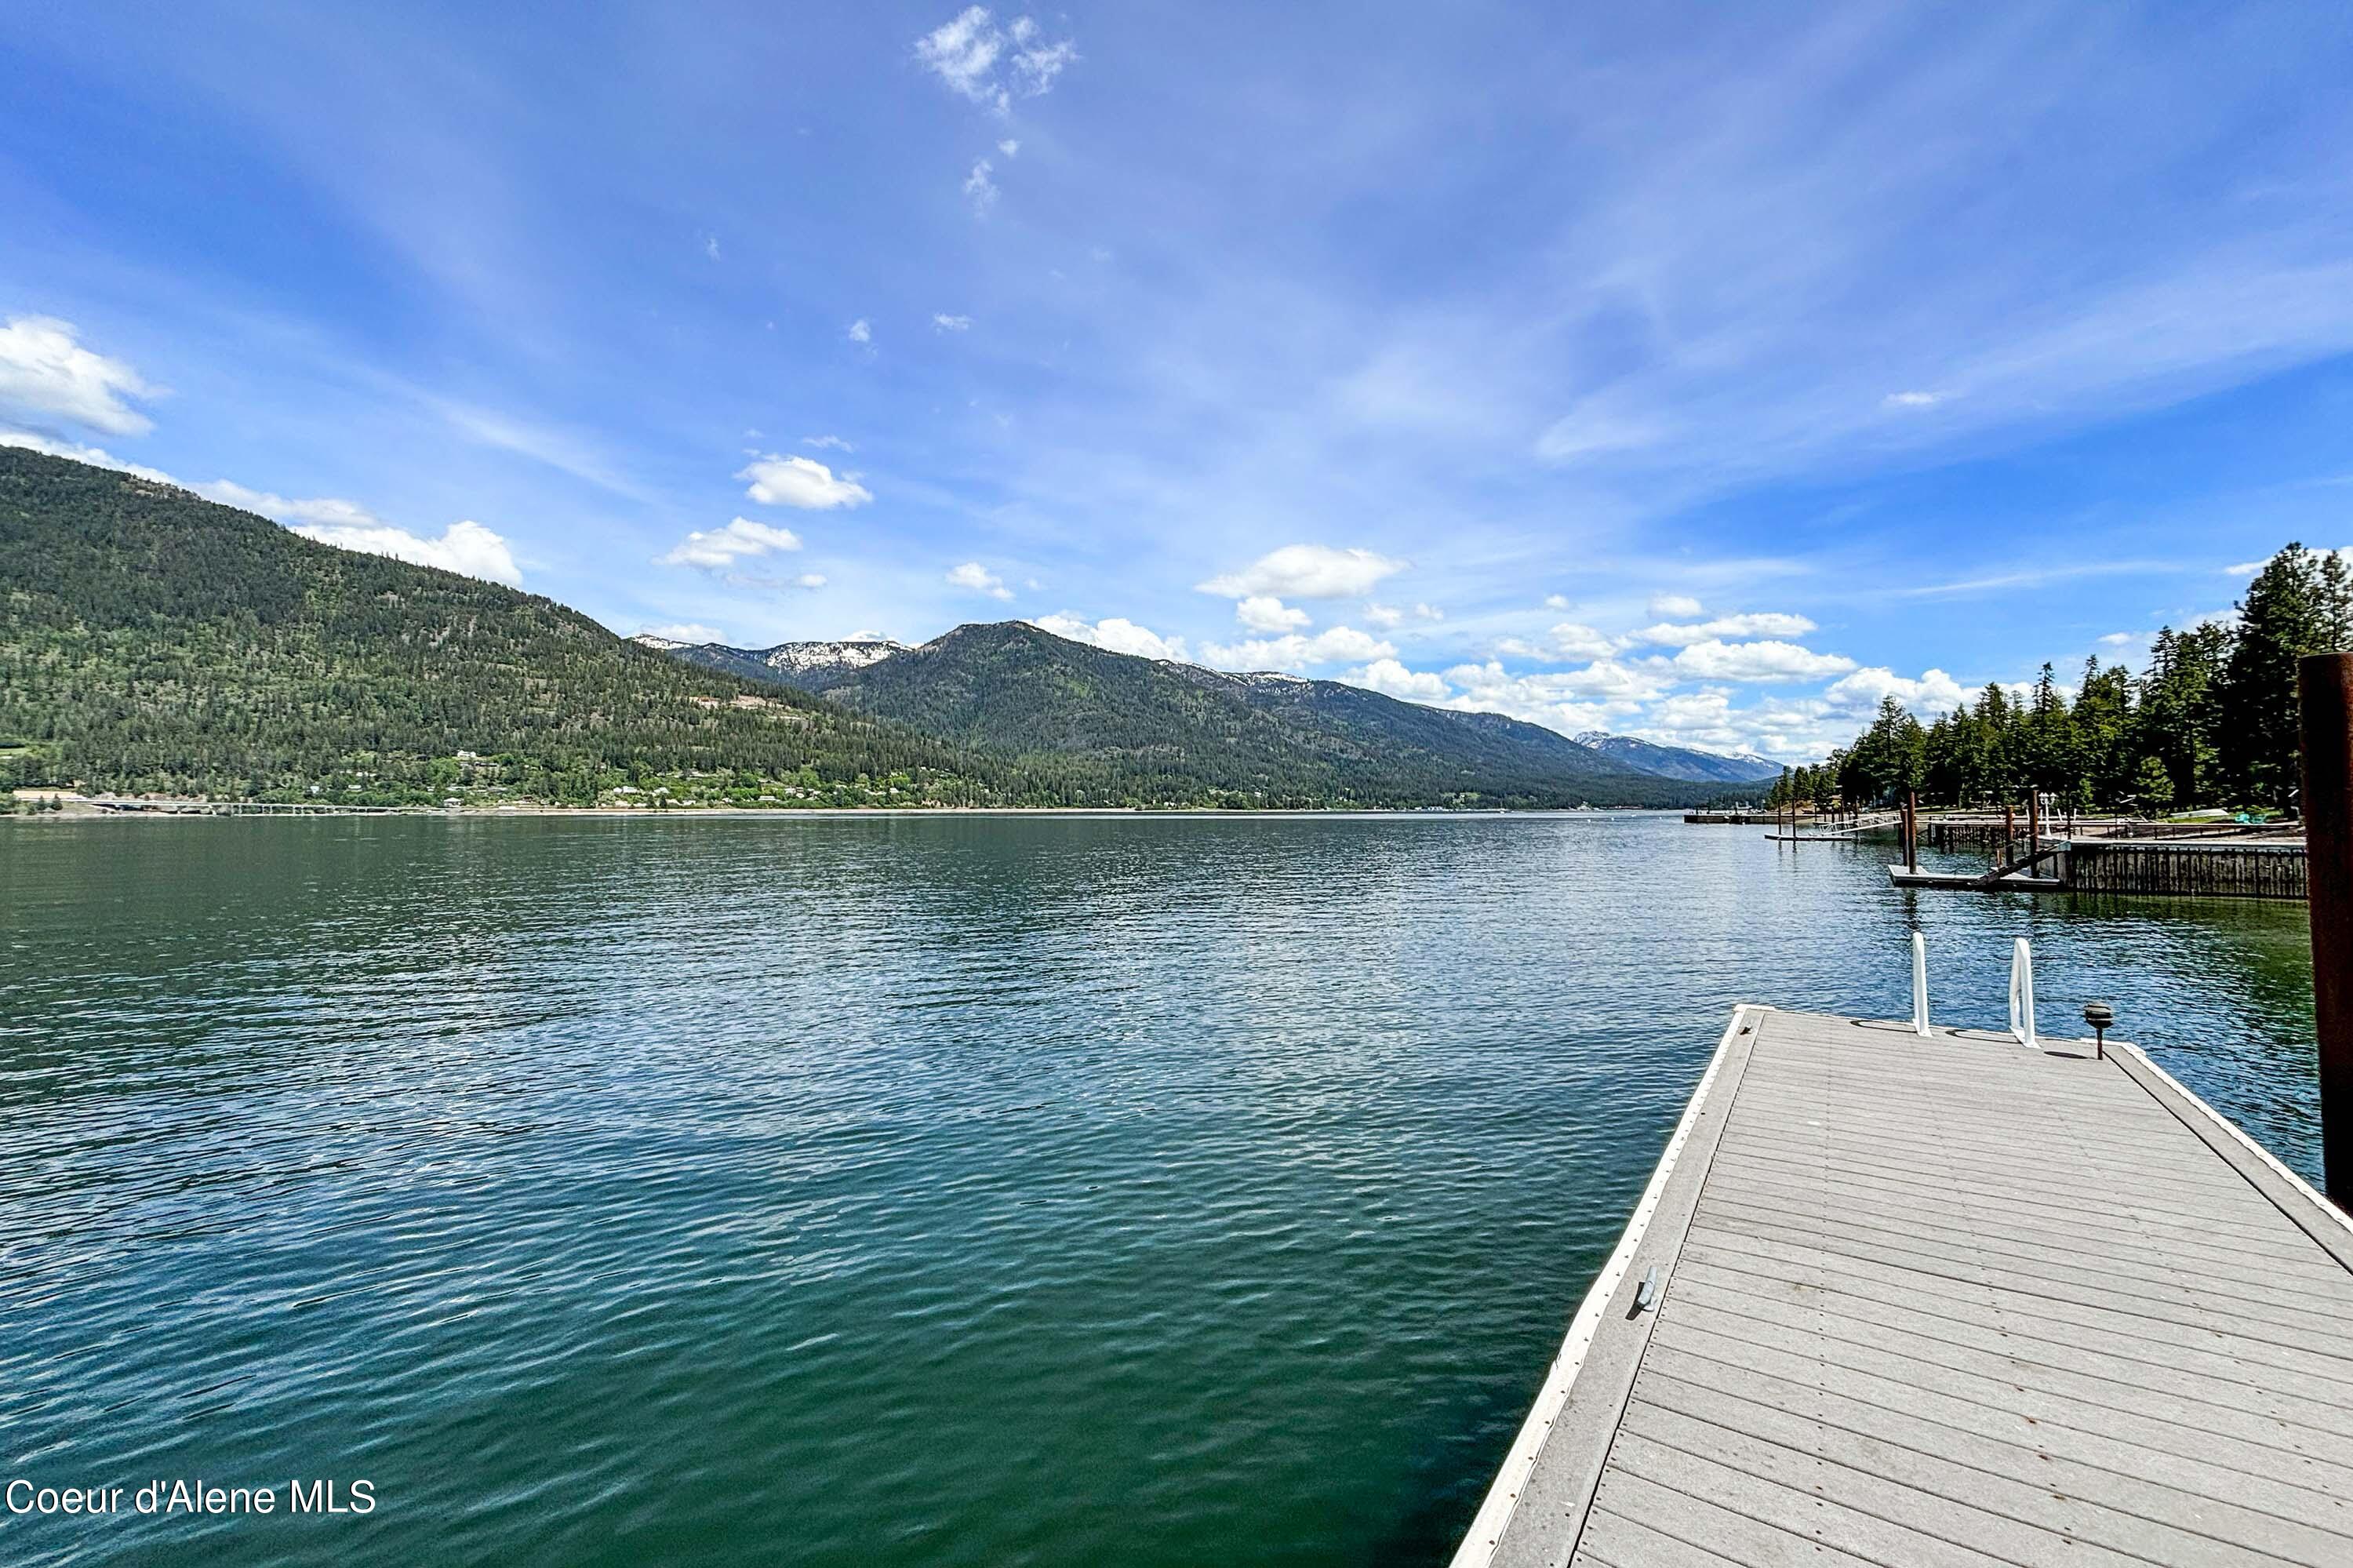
[[2022, 995], [1919, 984]]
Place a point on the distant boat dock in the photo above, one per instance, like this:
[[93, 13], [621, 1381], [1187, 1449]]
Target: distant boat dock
[[2172, 859], [1951, 1300]]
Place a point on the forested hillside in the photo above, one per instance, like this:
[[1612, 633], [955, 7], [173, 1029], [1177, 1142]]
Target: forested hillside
[[2209, 721], [154, 641], [1154, 728]]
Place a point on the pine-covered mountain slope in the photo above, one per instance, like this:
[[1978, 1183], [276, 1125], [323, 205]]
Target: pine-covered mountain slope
[[151, 640], [1026, 694]]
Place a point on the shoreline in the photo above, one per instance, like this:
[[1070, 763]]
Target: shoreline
[[229, 811]]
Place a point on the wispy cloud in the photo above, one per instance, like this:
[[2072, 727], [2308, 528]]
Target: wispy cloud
[[980, 187], [563, 451], [992, 65], [2043, 576]]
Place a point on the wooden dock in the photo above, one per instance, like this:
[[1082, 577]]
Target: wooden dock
[[1976, 881], [2208, 868], [1952, 1302]]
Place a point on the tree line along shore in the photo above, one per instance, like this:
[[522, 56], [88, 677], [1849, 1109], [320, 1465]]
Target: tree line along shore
[[2209, 721]]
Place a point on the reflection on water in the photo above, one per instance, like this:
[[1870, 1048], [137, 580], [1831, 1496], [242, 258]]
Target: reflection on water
[[942, 1190]]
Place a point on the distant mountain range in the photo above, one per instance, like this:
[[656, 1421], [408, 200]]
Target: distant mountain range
[[811, 666], [155, 642], [1021, 690], [1681, 762]]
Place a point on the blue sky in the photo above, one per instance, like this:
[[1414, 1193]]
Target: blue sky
[[1681, 373]]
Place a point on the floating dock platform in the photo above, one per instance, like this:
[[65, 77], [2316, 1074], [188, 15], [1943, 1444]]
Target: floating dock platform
[[1976, 881], [1950, 1301], [2210, 868]]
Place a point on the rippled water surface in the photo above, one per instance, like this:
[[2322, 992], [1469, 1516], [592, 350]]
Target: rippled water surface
[[874, 1191]]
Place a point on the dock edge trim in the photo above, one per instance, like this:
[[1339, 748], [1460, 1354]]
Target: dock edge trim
[[1487, 1526], [2288, 1193]]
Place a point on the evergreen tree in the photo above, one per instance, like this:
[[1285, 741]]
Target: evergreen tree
[[2177, 722], [2047, 754], [2107, 768], [1886, 759], [2299, 603]]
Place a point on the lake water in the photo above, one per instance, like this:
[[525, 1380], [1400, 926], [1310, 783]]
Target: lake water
[[883, 1191]]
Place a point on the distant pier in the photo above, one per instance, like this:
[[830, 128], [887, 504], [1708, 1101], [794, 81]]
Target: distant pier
[[1952, 1299], [2203, 867]]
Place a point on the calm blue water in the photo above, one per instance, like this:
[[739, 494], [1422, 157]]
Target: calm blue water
[[868, 1191]]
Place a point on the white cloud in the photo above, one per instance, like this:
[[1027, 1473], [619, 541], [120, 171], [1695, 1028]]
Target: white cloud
[[1673, 606], [1913, 399], [465, 547], [989, 65], [1113, 635], [979, 579], [1036, 63], [710, 246], [45, 374], [942, 322], [2244, 568], [823, 442], [1704, 719], [1383, 614], [1009, 147], [859, 331], [1933, 694], [801, 482], [1770, 660], [1337, 645], [1578, 642], [1569, 640], [719, 548], [1599, 697], [980, 189], [1766, 623], [2120, 638], [684, 632], [1428, 613], [1391, 678], [1264, 612], [809, 580], [1560, 601], [963, 52], [1306, 571]]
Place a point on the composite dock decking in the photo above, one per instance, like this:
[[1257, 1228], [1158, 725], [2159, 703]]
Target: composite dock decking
[[1952, 1302]]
